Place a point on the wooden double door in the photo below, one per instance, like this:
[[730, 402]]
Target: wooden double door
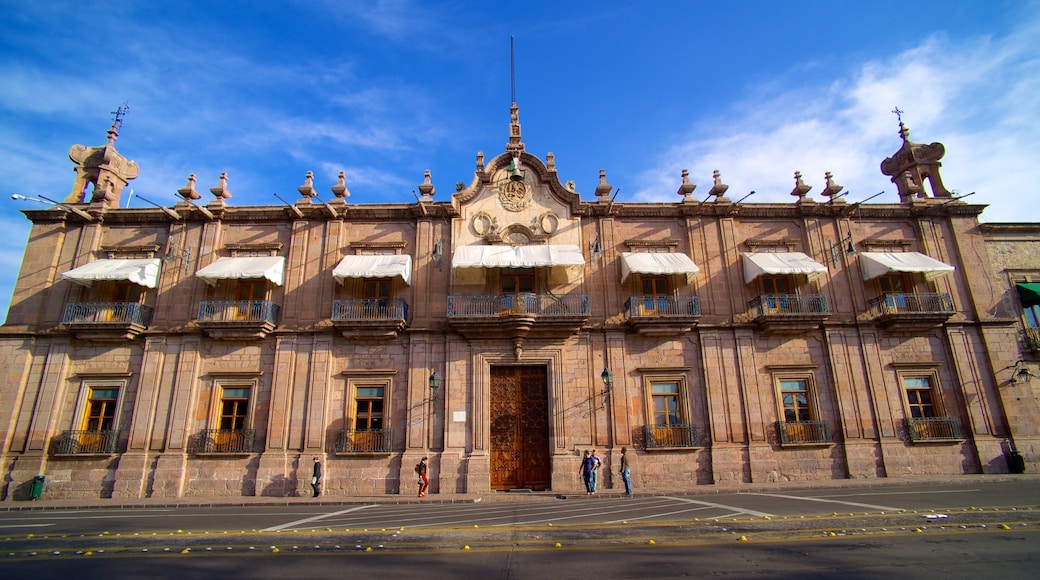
[[520, 457]]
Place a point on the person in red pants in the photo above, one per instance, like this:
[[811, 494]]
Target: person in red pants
[[424, 481]]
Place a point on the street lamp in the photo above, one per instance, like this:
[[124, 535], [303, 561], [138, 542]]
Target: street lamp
[[608, 380]]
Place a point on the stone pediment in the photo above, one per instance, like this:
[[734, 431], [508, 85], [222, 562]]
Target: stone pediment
[[517, 203]]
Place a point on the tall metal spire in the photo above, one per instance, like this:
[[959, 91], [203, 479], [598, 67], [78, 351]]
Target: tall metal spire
[[515, 145]]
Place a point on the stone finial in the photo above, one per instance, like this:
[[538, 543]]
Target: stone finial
[[603, 189], [570, 185], [686, 188], [221, 191], [832, 188], [340, 189], [718, 189], [480, 161], [550, 161], [426, 188], [800, 188], [307, 189], [459, 186], [188, 191]]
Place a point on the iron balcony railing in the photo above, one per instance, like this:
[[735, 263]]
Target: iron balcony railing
[[369, 309], [663, 306], [364, 441], [238, 311], [86, 442], [923, 303], [226, 441], [933, 429], [683, 435], [106, 312], [794, 432], [1033, 339], [789, 304], [537, 305]]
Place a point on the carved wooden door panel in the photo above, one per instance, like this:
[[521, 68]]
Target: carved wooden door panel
[[519, 428]]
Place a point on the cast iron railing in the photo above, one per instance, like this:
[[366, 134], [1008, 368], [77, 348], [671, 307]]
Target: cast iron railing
[[362, 441], [226, 441], [106, 312], [76, 442], [932, 429], [683, 435], [537, 305], [793, 432], [238, 311], [922, 303], [663, 306], [789, 304], [370, 309]]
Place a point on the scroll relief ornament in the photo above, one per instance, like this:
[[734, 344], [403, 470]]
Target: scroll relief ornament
[[513, 193]]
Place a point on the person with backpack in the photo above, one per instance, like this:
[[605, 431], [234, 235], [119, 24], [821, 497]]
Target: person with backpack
[[424, 481]]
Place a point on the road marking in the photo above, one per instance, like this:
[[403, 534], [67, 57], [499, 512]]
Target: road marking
[[316, 518], [723, 506], [821, 500], [25, 525], [929, 492], [655, 516]]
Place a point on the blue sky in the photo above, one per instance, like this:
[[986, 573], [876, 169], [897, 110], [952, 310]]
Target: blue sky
[[385, 89]]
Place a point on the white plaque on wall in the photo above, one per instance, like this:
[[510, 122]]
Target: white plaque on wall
[[458, 416]]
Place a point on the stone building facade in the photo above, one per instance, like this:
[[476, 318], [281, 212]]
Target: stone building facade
[[214, 350]]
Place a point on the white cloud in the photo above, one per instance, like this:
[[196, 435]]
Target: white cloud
[[978, 96]]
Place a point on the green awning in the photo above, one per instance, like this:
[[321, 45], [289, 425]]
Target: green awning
[[1028, 293]]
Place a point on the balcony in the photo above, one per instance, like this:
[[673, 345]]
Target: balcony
[[928, 429], [82, 443], [912, 312], [225, 442], [670, 437], [662, 315], [796, 433], [360, 442], [238, 319], [1032, 336], [518, 316], [104, 321], [370, 318], [789, 313]]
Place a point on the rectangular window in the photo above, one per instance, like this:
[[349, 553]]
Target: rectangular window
[[794, 394], [800, 422], [776, 284], [919, 397], [656, 291], [668, 424], [101, 409], [666, 404], [234, 408], [376, 288], [517, 280], [251, 290], [126, 292], [368, 407]]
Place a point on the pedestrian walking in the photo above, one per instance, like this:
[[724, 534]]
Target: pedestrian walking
[[424, 481], [594, 475], [586, 472], [626, 472], [316, 477]]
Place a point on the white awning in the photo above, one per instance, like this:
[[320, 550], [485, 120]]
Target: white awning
[[518, 256], [381, 266], [657, 263], [874, 264], [566, 263], [139, 271], [270, 267], [779, 263]]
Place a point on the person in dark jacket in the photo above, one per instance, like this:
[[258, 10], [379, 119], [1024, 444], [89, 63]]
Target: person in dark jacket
[[316, 477], [424, 481]]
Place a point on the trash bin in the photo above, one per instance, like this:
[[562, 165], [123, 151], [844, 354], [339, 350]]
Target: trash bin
[[1016, 463], [37, 487]]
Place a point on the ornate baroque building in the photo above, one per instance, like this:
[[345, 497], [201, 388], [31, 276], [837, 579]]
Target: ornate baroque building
[[210, 349]]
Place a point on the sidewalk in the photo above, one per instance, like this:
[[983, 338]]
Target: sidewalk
[[501, 496]]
